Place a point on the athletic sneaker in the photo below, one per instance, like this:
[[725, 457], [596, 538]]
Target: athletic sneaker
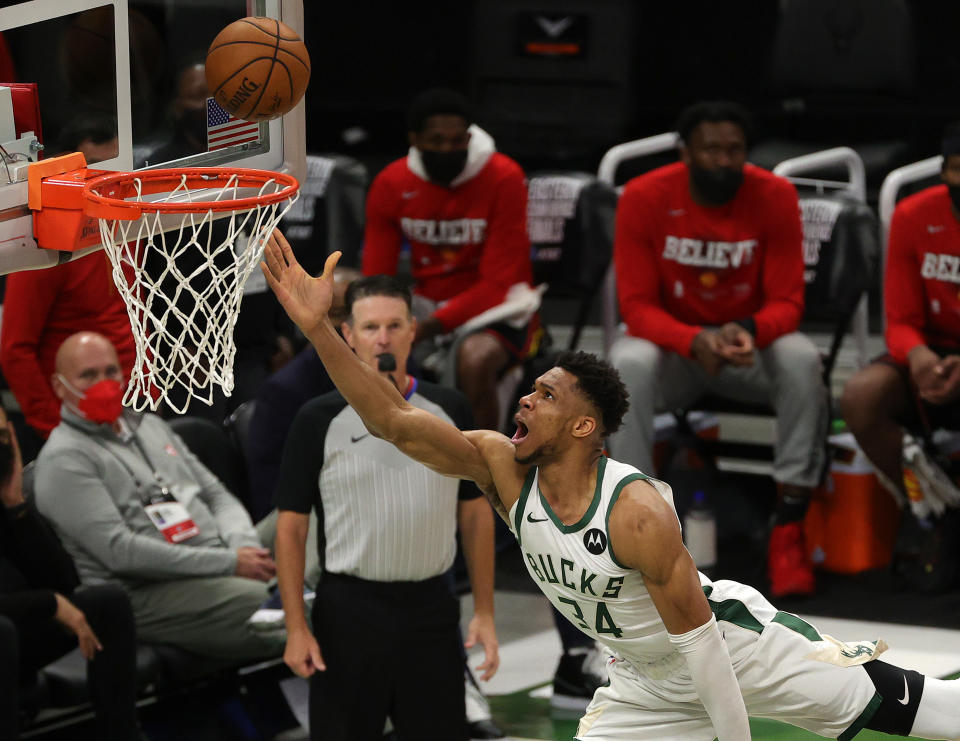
[[580, 671], [930, 490], [479, 720], [788, 566]]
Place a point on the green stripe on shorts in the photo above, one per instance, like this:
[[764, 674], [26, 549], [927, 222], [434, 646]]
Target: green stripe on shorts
[[865, 717], [735, 612], [797, 625]]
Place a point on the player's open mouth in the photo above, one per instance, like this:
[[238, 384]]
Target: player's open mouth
[[520, 434]]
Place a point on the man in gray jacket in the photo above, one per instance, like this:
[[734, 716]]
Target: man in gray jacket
[[133, 505]]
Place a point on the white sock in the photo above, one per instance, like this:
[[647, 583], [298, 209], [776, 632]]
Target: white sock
[[938, 715]]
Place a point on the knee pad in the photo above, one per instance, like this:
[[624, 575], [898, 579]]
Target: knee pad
[[901, 690]]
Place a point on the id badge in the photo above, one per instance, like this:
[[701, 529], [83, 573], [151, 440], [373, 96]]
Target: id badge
[[172, 520]]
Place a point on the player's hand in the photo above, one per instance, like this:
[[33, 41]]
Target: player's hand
[[945, 387], [736, 345], [705, 350], [923, 363], [72, 618], [481, 631], [302, 653], [255, 563], [306, 300]]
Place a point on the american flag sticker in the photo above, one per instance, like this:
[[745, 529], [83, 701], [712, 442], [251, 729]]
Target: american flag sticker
[[223, 130]]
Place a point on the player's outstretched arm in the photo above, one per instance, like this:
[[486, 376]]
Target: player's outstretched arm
[[421, 435], [645, 535]]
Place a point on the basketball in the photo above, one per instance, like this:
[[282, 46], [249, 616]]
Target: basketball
[[257, 68]]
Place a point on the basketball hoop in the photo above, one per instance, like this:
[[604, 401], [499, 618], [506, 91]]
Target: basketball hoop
[[182, 243]]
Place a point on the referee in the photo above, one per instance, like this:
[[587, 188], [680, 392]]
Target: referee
[[386, 640]]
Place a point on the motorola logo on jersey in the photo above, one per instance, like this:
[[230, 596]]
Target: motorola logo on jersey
[[595, 541]]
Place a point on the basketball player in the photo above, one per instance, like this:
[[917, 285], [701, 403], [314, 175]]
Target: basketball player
[[691, 658]]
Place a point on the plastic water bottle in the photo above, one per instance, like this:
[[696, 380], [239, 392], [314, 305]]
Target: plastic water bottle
[[700, 533]]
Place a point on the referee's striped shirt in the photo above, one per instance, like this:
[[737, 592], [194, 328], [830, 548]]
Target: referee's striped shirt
[[384, 516]]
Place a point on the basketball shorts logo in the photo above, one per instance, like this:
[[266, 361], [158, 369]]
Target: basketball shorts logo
[[595, 541]]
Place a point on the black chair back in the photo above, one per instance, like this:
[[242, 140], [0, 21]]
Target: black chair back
[[213, 447], [238, 426], [570, 222], [841, 253], [329, 214]]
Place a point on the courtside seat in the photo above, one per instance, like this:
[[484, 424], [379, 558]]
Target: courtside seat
[[162, 669], [238, 427], [212, 444], [64, 681], [570, 222], [841, 257], [59, 695], [329, 214]]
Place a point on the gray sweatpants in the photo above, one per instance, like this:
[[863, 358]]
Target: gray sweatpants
[[208, 615], [786, 374]]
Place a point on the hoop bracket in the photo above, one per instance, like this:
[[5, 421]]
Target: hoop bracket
[[69, 200], [55, 195]]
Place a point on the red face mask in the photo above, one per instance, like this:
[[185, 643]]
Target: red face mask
[[102, 402]]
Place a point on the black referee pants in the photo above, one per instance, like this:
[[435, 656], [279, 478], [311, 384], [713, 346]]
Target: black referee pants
[[391, 649]]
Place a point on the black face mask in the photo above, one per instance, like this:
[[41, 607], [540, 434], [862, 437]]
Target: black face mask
[[443, 167], [954, 191], [386, 362], [718, 186]]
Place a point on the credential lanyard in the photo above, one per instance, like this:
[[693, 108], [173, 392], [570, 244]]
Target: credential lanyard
[[158, 478]]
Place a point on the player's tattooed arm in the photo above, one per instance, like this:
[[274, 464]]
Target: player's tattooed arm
[[493, 496]]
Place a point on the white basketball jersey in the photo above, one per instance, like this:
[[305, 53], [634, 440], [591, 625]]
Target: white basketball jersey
[[577, 570]]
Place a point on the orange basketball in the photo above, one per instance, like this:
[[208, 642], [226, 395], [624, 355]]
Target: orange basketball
[[257, 68]]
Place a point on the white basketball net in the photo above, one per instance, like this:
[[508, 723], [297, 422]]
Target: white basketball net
[[183, 288]]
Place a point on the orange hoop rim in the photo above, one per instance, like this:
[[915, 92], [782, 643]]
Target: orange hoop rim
[[166, 180]]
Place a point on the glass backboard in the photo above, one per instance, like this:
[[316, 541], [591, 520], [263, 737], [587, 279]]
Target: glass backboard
[[122, 81]]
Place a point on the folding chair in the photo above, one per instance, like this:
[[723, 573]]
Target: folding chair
[[216, 450], [838, 273], [570, 219], [329, 213], [908, 177]]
